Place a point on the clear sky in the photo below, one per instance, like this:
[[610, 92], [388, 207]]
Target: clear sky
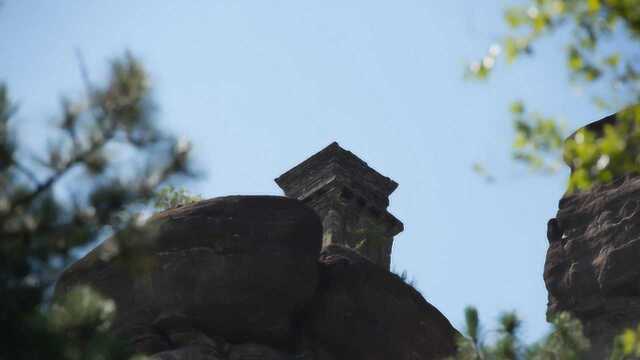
[[258, 86]]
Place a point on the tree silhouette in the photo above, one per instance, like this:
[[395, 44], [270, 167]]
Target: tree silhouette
[[106, 161]]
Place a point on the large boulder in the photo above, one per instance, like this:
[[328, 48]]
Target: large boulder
[[363, 311], [237, 267]]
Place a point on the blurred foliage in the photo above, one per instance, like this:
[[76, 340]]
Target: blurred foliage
[[594, 25], [481, 171], [169, 197], [565, 340], [538, 139], [627, 345], [602, 155], [84, 317], [106, 160]]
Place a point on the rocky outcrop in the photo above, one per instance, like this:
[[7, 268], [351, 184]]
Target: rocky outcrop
[[592, 267], [362, 311], [238, 278], [238, 268]]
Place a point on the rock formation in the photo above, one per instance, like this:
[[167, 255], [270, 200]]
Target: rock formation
[[381, 316], [243, 278], [237, 267], [592, 267]]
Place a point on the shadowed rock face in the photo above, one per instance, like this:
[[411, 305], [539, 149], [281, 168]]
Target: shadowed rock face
[[236, 267], [592, 267], [238, 278], [362, 311]]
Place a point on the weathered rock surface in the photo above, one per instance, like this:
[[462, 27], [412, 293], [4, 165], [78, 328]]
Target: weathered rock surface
[[209, 349], [592, 267], [362, 311], [236, 267], [238, 278]]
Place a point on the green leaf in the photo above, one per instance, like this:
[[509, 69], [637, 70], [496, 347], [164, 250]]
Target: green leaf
[[472, 323], [629, 341], [515, 17], [575, 59], [612, 60], [517, 108]]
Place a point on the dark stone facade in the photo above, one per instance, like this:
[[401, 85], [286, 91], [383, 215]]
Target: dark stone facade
[[350, 197]]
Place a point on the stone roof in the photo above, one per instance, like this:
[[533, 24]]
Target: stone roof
[[335, 164]]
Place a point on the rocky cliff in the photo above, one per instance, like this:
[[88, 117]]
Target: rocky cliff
[[592, 266], [244, 277]]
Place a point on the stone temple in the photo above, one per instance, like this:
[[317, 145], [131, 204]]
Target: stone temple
[[350, 197]]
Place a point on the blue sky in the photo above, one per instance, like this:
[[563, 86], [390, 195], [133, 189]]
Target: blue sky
[[258, 86]]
